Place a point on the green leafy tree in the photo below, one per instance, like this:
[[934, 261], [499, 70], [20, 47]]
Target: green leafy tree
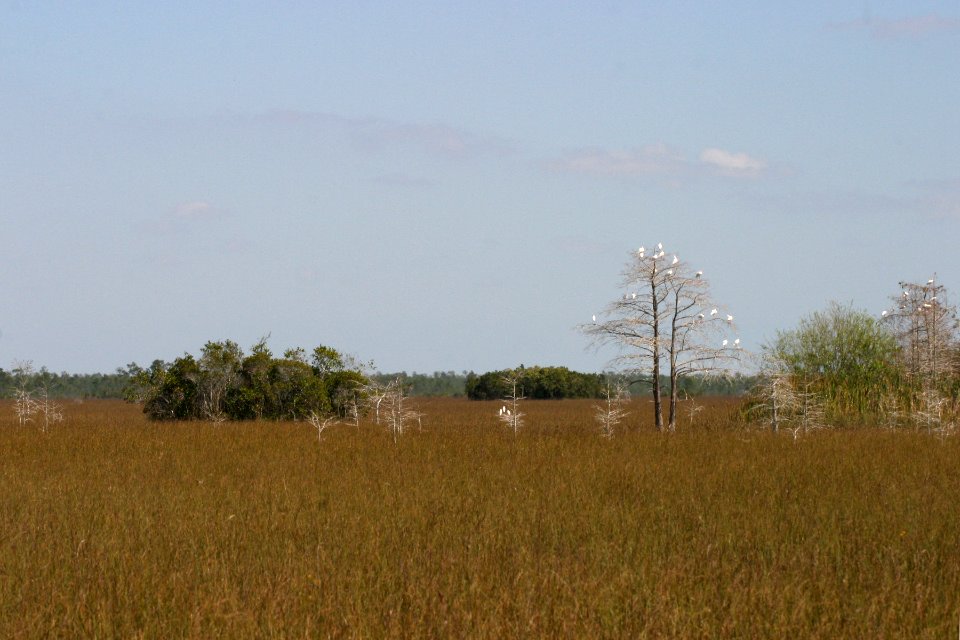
[[842, 355], [225, 384]]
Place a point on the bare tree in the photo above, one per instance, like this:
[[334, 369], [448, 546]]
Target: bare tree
[[397, 407], [376, 395], [785, 400], [510, 413], [51, 410], [666, 319], [925, 326], [776, 395], [32, 396], [320, 423], [24, 405], [611, 412]]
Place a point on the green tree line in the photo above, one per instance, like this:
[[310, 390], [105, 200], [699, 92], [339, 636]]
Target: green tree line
[[71, 385]]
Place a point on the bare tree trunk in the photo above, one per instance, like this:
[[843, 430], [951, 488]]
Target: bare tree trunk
[[657, 403], [674, 398]]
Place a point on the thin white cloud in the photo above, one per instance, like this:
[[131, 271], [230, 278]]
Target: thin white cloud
[[908, 27], [378, 133], [658, 161], [195, 209], [732, 164], [651, 160]]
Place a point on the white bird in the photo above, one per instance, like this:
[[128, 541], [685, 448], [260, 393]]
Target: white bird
[[699, 273], [508, 411], [724, 343], [713, 312], [669, 272], [594, 318], [930, 281], [883, 314], [927, 305], [675, 260], [737, 342], [640, 251], [659, 246], [634, 296], [729, 318]]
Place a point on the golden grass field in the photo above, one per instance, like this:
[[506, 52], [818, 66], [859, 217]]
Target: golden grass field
[[113, 527]]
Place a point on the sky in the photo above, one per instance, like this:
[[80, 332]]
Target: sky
[[457, 185]]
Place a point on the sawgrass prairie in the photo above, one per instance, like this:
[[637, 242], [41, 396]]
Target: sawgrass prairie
[[112, 526]]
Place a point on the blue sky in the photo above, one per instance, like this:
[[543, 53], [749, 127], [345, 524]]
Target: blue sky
[[457, 185]]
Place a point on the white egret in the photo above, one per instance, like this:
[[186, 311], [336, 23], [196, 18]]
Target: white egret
[[713, 312], [659, 246], [675, 260], [634, 296], [930, 281], [729, 318], [724, 343], [669, 272], [594, 318], [883, 314], [737, 343]]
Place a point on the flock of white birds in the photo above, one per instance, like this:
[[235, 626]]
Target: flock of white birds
[[641, 253]]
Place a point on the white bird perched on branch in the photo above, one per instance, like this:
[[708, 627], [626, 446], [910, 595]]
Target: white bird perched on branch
[[675, 260], [729, 318], [713, 312], [724, 343], [634, 295], [669, 272], [883, 314], [594, 318], [659, 246], [640, 251], [736, 343], [699, 274], [930, 281]]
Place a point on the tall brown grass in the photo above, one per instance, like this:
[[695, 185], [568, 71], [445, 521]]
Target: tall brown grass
[[114, 527]]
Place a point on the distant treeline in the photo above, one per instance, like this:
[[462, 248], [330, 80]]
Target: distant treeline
[[559, 382], [538, 383], [437, 384], [71, 385]]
